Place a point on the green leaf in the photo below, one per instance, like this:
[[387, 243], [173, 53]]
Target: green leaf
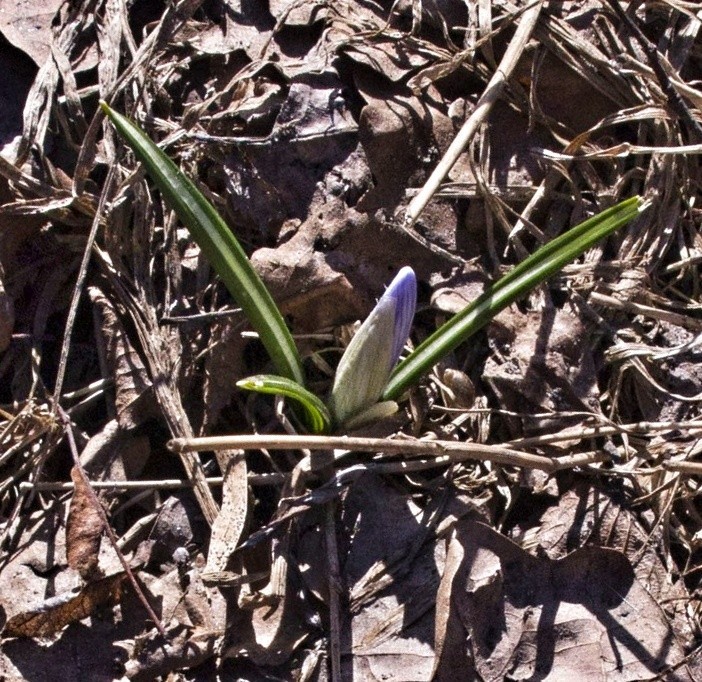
[[218, 244], [317, 416], [531, 272]]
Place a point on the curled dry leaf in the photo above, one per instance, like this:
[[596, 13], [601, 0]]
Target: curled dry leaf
[[52, 615], [230, 523], [84, 529], [270, 633]]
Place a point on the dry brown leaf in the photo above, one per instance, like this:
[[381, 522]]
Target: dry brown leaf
[[230, 523], [84, 529], [115, 454], [586, 514], [402, 136], [224, 366], [27, 26], [322, 296], [38, 568], [392, 571], [298, 12], [177, 525], [580, 617], [390, 55], [246, 28], [55, 613], [267, 180], [541, 363], [392, 578], [270, 633]]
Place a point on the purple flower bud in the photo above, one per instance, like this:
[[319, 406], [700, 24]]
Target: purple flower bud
[[365, 367], [403, 291]]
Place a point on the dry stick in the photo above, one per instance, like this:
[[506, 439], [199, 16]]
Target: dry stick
[[334, 573], [493, 91], [580, 459], [684, 467], [68, 427], [640, 309], [413, 448], [162, 484]]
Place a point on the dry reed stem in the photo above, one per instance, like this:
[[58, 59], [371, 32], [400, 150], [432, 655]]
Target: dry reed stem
[[492, 93]]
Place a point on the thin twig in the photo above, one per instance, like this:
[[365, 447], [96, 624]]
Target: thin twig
[[693, 427], [682, 320], [580, 459], [492, 92], [408, 447], [78, 289]]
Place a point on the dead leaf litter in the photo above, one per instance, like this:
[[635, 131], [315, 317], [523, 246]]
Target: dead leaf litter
[[555, 536]]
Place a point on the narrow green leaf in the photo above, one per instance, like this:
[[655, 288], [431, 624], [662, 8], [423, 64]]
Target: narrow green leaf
[[531, 272], [218, 244], [317, 416]]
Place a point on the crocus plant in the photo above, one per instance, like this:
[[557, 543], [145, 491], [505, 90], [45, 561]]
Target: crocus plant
[[365, 367], [369, 380]]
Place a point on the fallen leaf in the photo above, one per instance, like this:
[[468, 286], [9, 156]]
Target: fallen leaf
[[177, 525], [587, 514], [541, 364], [84, 529], [243, 27], [37, 570], [402, 137], [115, 454], [523, 616], [390, 55], [55, 613], [270, 633], [27, 26], [298, 13], [230, 523], [392, 571], [268, 182]]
